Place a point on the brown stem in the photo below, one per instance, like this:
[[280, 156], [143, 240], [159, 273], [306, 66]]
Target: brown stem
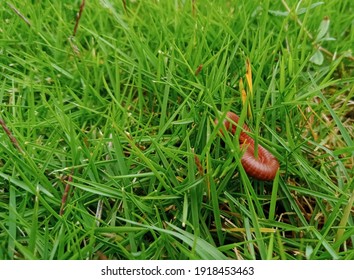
[[10, 135], [65, 194], [198, 164], [124, 5], [199, 69], [78, 16]]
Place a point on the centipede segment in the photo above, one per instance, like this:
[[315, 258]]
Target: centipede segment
[[263, 167]]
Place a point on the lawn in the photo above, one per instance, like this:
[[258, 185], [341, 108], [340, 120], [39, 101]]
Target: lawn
[[108, 145]]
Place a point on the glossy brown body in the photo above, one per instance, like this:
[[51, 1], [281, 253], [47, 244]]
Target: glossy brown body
[[265, 166]]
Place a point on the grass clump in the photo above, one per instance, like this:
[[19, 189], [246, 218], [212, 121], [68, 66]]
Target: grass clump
[[108, 145]]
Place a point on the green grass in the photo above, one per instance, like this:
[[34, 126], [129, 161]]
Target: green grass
[[117, 117]]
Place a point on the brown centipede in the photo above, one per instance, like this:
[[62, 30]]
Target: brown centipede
[[265, 166]]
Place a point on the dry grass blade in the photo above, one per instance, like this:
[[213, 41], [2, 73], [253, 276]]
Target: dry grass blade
[[78, 17], [65, 194], [26, 20], [10, 135]]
